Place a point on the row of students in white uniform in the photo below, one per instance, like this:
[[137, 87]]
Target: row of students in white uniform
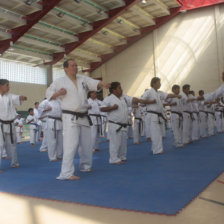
[[72, 90]]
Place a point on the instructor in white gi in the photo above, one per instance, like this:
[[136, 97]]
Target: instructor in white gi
[[72, 91]]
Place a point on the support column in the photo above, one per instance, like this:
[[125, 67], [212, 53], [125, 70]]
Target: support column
[[49, 74]]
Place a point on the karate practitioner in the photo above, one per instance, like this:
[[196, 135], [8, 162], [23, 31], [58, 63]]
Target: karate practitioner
[[176, 116], [138, 124], [94, 113], [155, 113], [32, 121], [52, 110], [71, 90], [203, 115], [7, 117], [146, 122], [19, 122], [38, 122], [219, 115], [43, 117], [116, 105], [195, 122], [187, 114], [211, 118]]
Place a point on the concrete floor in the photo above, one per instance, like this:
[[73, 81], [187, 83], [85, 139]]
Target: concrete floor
[[207, 208]]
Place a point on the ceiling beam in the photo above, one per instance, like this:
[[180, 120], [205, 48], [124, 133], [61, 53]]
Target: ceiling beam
[[34, 4], [131, 40], [127, 24], [9, 15], [55, 31], [113, 14], [5, 35], [31, 20], [86, 54], [30, 54], [40, 43], [143, 14], [162, 6], [100, 10]]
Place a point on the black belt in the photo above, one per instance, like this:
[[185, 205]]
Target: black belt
[[122, 125], [180, 116], [10, 123], [205, 112], [190, 113], [178, 113], [195, 112], [140, 127], [157, 113], [55, 119], [99, 129], [213, 114], [78, 115]]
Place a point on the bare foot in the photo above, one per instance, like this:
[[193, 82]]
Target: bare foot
[[54, 160], [74, 178], [5, 157], [87, 171], [1, 171], [118, 163], [148, 140], [15, 165]]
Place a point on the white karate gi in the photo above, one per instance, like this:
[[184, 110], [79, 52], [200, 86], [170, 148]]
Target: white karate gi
[[203, 119], [104, 123], [54, 129], [187, 118], [130, 129], [118, 138], [19, 129], [218, 117], [177, 121], [33, 128], [8, 113], [138, 124], [96, 128], [146, 123], [155, 121], [39, 124], [41, 108], [211, 120], [76, 131], [195, 122]]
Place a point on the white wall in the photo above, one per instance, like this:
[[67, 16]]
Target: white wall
[[34, 92], [187, 49]]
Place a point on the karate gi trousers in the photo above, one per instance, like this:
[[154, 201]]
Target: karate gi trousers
[[75, 135]]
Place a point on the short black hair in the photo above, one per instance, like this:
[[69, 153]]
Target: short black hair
[[186, 86], [89, 93], [175, 87], [65, 64], [3, 81], [36, 103], [201, 92], [30, 109], [154, 80], [113, 86]]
